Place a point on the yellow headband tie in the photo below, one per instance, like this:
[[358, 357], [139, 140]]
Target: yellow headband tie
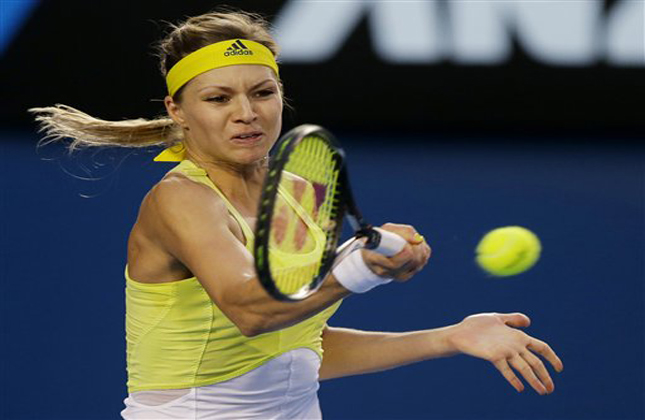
[[221, 54], [174, 153]]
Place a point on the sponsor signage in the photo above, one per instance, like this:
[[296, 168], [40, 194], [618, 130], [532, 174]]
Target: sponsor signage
[[366, 65]]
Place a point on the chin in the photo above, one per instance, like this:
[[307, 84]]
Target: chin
[[251, 158]]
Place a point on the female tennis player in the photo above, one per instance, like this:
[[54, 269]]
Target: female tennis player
[[204, 339]]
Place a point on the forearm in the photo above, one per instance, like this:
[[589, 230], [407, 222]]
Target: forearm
[[351, 352], [257, 312], [353, 273]]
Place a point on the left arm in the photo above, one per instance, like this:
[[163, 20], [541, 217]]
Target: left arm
[[350, 352], [487, 336]]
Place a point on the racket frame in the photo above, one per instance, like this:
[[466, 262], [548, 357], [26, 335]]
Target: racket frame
[[282, 150], [364, 234]]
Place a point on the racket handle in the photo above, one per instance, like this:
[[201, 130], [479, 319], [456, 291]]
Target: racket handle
[[390, 243]]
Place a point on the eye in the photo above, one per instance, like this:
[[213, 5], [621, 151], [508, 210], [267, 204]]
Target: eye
[[265, 92], [217, 99]]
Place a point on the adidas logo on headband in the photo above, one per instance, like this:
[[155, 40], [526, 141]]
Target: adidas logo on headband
[[237, 48]]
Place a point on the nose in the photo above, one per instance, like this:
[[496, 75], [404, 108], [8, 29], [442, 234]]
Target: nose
[[244, 111]]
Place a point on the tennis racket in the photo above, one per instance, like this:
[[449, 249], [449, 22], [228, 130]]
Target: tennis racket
[[305, 197]]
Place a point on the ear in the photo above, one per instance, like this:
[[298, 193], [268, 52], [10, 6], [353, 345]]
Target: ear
[[174, 111]]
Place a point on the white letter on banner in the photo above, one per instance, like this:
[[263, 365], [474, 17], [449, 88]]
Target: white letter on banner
[[313, 31], [407, 32], [478, 32], [561, 32], [626, 33], [402, 31], [552, 32]]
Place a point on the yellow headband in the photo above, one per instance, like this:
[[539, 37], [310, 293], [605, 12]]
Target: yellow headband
[[221, 54]]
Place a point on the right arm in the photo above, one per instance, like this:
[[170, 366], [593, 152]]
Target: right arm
[[192, 226]]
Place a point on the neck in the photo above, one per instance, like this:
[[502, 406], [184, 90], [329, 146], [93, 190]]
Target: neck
[[241, 184]]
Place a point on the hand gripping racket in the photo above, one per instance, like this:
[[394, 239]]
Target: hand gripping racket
[[305, 196]]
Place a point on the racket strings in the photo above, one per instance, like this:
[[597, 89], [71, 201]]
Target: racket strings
[[304, 219]]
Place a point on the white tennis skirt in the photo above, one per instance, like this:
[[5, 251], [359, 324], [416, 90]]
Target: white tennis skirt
[[283, 388]]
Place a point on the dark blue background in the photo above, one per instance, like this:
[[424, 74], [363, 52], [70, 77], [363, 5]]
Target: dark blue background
[[63, 352]]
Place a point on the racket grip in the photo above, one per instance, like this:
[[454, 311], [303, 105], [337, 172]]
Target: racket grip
[[390, 244]]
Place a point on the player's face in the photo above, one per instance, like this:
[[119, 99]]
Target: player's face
[[233, 114]]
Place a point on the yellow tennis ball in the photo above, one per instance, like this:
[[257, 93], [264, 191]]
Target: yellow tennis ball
[[507, 251]]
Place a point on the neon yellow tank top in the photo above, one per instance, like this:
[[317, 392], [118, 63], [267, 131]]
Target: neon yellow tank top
[[178, 338]]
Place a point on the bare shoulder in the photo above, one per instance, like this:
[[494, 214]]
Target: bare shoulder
[[177, 197], [176, 204], [177, 217], [178, 190]]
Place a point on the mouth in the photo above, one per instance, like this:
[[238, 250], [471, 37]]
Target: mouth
[[248, 137]]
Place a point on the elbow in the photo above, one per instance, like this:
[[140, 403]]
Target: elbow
[[247, 327], [249, 322], [249, 331], [252, 320], [252, 325], [254, 329]]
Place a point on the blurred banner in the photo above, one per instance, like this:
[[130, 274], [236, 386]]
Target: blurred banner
[[397, 65]]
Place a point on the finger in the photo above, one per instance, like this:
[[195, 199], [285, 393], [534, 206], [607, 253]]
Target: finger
[[376, 262], [409, 273], [420, 257], [419, 260], [540, 370], [507, 372], [406, 255], [388, 263], [520, 365], [407, 232], [426, 251], [544, 350], [423, 263], [404, 273], [516, 319], [388, 266], [404, 276]]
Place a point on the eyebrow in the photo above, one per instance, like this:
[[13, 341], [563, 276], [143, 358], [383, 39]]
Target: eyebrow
[[228, 89]]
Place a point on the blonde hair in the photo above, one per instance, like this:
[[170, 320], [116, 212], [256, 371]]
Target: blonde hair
[[60, 122]]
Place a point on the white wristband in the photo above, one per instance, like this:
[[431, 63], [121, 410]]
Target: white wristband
[[354, 275]]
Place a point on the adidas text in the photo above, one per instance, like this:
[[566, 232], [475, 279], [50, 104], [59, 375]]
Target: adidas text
[[238, 52]]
